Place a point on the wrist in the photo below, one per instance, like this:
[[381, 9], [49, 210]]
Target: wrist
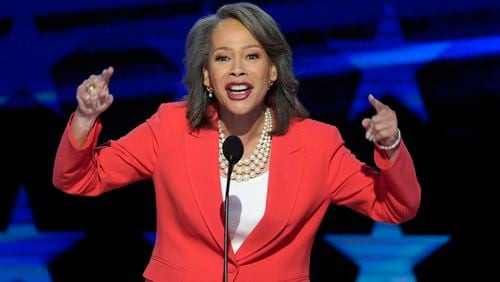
[[82, 121], [392, 146]]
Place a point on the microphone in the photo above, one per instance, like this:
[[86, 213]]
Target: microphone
[[233, 151]]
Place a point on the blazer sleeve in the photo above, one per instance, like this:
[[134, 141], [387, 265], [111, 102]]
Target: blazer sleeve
[[388, 193], [94, 169]]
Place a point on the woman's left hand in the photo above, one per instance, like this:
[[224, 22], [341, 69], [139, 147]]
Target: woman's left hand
[[381, 128]]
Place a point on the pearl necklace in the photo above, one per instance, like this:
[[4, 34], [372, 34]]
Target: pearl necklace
[[250, 167]]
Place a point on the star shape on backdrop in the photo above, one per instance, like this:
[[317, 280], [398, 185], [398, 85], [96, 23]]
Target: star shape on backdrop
[[27, 58], [26, 251], [387, 254], [397, 80], [388, 64]]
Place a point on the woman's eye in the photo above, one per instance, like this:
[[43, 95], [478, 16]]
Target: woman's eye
[[253, 56], [222, 58]]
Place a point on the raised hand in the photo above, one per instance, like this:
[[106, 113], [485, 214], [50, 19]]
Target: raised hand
[[93, 98], [382, 128], [93, 94]]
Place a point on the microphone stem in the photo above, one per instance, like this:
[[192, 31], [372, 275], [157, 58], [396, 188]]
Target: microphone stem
[[226, 222]]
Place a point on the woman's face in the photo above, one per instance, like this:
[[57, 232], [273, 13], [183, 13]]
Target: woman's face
[[239, 70]]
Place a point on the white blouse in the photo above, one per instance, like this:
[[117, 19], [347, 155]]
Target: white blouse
[[247, 204]]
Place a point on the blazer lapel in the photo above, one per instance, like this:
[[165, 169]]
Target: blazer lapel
[[286, 164], [203, 168]]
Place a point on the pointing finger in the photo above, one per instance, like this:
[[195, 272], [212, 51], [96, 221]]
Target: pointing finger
[[376, 103], [106, 74]]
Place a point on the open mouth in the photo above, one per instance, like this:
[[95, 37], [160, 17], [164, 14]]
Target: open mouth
[[238, 91]]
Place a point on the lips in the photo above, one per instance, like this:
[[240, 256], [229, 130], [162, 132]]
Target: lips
[[238, 90]]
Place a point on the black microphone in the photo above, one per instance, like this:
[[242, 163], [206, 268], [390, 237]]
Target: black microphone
[[233, 151]]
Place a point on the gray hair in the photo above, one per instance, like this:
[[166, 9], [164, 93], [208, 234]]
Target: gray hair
[[281, 97]]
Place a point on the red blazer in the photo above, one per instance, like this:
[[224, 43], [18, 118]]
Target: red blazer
[[309, 169]]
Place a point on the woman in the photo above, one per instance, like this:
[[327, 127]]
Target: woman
[[240, 82]]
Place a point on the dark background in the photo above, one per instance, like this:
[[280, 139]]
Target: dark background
[[437, 63]]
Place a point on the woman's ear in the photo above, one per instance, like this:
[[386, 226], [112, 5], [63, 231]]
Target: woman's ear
[[273, 73], [206, 78]]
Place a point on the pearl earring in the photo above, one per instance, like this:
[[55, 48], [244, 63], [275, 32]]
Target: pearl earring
[[209, 90], [270, 84]]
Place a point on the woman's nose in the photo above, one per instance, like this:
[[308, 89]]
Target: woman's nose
[[237, 68]]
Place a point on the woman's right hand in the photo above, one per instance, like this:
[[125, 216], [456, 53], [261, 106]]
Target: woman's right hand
[[93, 98], [93, 95]]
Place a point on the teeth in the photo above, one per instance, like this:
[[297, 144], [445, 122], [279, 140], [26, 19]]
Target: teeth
[[238, 87]]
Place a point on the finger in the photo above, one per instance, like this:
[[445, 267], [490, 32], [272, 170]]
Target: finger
[[102, 97], [102, 104], [101, 82], [376, 103], [107, 101], [369, 134], [80, 100], [91, 84], [106, 74], [366, 123], [82, 89], [83, 92], [90, 87], [377, 131], [89, 97], [84, 104]]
